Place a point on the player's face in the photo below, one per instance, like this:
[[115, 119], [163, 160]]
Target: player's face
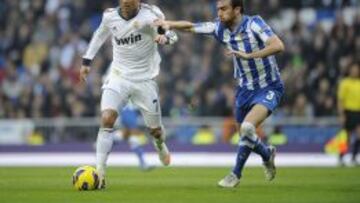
[[354, 71], [226, 12], [129, 6]]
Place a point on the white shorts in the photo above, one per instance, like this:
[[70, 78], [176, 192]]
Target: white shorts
[[117, 92]]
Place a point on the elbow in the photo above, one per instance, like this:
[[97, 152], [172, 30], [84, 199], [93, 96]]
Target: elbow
[[277, 45], [281, 46]]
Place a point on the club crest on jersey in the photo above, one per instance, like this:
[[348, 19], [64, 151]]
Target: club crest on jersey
[[132, 39], [136, 24]]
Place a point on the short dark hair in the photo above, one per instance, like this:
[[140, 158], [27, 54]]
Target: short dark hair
[[238, 3]]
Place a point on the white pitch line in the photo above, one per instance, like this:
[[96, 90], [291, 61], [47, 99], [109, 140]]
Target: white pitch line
[[178, 159]]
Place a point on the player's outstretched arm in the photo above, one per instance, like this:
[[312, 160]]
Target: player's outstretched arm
[[182, 25], [178, 25], [200, 28]]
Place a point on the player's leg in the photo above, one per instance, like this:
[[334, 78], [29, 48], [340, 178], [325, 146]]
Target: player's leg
[[354, 123], [110, 102], [256, 116], [104, 140], [119, 136], [146, 97], [356, 145], [261, 104], [349, 128], [244, 151], [248, 130], [129, 122], [136, 146], [248, 142]]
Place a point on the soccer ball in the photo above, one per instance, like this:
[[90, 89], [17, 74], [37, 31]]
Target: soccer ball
[[86, 178]]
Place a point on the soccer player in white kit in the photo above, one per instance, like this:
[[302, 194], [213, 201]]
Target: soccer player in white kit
[[136, 62]]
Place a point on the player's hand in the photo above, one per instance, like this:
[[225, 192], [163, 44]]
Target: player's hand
[[238, 54], [161, 23], [161, 39], [84, 72]]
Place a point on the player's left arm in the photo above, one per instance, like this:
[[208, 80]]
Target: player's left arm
[[273, 44], [164, 36]]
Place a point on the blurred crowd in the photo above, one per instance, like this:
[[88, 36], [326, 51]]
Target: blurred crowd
[[42, 41]]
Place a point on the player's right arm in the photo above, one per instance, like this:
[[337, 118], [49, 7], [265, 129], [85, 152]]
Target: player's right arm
[[97, 40], [201, 28]]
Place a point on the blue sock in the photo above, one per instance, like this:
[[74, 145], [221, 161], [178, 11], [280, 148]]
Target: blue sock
[[241, 157], [261, 149], [140, 154]]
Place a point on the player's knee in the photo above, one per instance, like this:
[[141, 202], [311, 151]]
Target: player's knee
[[156, 132], [108, 118], [247, 129]]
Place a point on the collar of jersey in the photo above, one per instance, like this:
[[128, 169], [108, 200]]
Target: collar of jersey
[[119, 12], [242, 25]]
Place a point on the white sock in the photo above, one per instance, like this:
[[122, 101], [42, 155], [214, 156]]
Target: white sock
[[104, 145], [118, 136], [134, 142]]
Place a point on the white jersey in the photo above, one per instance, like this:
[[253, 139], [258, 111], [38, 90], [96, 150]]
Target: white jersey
[[135, 54]]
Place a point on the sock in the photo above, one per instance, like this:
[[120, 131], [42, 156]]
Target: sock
[[251, 139], [261, 149], [246, 145], [135, 146], [355, 149], [241, 157], [140, 155], [118, 136], [104, 145]]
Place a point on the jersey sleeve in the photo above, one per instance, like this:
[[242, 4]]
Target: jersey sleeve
[[98, 39], [204, 28], [158, 12], [260, 28]]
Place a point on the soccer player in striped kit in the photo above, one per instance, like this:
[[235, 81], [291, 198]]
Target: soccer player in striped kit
[[252, 43]]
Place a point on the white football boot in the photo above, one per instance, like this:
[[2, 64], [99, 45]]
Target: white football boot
[[100, 180], [164, 154], [229, 181], [102, 185], [269, 166]]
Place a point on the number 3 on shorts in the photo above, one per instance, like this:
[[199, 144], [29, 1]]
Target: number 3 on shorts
[[270, 95]]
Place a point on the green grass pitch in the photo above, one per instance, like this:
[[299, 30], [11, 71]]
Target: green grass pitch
[[183, 185]]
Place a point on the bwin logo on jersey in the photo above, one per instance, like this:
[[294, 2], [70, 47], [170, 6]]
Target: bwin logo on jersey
[[128, 40]]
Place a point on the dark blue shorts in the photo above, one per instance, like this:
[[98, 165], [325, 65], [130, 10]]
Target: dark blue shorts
[[245, 99]]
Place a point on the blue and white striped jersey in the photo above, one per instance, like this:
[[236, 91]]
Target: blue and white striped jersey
[[249, 36]]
